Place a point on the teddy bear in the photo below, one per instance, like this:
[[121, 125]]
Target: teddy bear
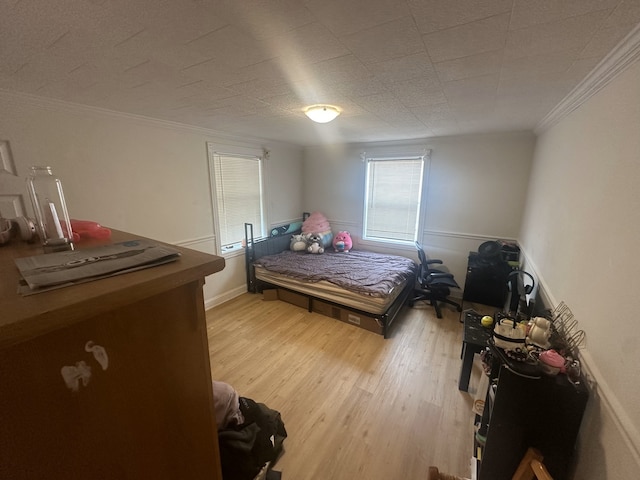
[[298, 243], [342, 242], [314, 243], [317, 223]]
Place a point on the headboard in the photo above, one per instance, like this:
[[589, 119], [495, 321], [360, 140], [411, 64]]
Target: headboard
[[278, 241]]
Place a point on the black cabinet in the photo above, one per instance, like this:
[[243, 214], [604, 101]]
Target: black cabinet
[[524, 411], [486, 281]]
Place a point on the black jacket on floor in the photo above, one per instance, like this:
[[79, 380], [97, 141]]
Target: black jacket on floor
[[244, 449]]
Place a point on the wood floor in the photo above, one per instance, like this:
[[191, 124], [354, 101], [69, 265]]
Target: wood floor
[[355, 406]]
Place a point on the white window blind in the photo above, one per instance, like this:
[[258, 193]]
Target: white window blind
[[238, 197], [392, 198]]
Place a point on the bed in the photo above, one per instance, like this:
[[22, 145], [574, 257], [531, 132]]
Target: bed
[[363, 288]]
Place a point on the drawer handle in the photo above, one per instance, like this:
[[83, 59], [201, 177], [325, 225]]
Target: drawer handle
[[80, 373], [99, 353], [73, 375]]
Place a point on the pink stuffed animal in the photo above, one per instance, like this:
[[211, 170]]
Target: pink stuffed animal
[[316, 223], [342, 242]]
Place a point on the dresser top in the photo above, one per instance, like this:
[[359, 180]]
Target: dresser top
[[24, 317]]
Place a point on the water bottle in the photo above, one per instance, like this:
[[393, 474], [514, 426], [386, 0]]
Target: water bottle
[[50, 209]]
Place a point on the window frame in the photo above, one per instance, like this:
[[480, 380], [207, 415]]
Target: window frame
[[396, 155], [260, 155]]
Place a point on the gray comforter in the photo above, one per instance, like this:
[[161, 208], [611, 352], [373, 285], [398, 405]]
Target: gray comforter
[[368, 273]]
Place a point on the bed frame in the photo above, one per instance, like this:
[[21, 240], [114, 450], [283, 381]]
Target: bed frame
[[278, 241]]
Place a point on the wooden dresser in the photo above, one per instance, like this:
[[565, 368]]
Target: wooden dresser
[[143, 403]]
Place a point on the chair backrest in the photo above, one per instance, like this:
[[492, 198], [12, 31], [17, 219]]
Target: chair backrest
[[421, 255], [423, 268], [426, 272], [531, 467]]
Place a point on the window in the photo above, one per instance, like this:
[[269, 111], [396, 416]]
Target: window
[[237, 194], [393, 197]]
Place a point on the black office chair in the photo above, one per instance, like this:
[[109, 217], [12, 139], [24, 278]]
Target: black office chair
[[435, 285]]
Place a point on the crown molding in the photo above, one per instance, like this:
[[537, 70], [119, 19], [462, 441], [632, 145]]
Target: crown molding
[[613, 64]]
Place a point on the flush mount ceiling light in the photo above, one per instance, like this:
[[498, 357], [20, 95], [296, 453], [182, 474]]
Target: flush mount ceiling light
[[322, 113]]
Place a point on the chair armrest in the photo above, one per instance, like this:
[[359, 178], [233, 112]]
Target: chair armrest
[[435, 276], [433, 260]]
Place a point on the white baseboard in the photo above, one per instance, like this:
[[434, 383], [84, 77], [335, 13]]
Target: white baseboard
[[225, 297]]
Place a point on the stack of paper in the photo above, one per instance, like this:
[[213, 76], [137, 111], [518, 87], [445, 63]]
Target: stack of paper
[[60, 269]]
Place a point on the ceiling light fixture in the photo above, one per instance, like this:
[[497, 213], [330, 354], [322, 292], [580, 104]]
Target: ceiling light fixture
[[322, 113]]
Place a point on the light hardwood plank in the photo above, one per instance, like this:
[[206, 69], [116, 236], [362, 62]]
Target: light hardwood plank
[[354, 404]]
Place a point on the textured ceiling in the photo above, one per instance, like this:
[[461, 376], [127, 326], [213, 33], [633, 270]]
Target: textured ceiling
[[398, 69]]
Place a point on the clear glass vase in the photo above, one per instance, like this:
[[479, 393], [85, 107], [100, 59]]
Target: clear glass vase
[[50, 209]]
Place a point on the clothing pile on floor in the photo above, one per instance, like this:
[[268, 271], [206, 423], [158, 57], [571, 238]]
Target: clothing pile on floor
[[250, 435]]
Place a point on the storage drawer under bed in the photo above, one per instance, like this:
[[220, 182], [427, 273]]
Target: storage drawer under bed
[[346, 315]]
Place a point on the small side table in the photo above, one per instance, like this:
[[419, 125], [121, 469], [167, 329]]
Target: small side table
[[474, 340]]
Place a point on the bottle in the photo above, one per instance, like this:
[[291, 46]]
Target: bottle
[[52, 217]]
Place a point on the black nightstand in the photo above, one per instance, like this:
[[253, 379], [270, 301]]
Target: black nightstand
[[474, 340]]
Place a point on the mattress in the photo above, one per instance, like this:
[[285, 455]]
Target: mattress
[[330, 292], [365, 281]]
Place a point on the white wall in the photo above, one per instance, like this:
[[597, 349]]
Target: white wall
[[142, 176], [581, 232], [476, 190]]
